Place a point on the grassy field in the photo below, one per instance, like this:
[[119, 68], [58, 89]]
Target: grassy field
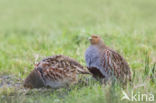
[[31, 28]]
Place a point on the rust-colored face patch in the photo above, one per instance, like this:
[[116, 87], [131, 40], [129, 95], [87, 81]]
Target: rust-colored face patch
[[94, 39]]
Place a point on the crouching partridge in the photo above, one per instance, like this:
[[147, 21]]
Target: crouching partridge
[[104, 62], [55, 72]]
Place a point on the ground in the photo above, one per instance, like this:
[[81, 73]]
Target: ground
[[33, 29]]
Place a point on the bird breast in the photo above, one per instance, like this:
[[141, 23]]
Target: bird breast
[[92, 57], [94, 60]]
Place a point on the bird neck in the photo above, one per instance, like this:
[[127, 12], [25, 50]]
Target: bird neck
[[101, 45]]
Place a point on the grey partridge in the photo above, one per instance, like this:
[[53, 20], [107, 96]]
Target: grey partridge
[[105, 63], [55, 72]]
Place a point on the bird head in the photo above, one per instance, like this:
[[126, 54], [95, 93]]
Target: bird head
[[95, 40], [34, 80]]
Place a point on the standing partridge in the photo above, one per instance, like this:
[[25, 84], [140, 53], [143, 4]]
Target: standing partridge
[[55, 72], [105, 63]]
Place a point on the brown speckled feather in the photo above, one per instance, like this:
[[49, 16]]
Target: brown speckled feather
[[116, 64], [59, 71], [60, 61]]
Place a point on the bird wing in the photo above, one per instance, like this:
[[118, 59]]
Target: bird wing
[[114, 63], [60, 63], [73, 64], [54, 74]]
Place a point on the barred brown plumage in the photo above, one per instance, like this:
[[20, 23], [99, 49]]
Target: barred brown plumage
[[55, 71], [103, 62]]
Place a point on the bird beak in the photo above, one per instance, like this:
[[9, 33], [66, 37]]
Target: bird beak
[[89, 38]]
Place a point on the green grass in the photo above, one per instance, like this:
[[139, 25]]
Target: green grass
[[47, 27]]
